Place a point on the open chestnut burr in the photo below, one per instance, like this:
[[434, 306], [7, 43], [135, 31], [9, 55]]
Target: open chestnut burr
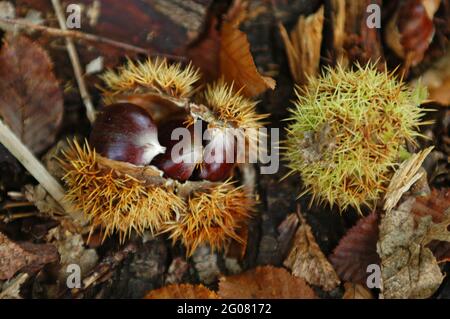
[[127, 179]]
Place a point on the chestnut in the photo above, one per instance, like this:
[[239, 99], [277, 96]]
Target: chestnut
[[126, 132], [179, 163], [219, 156]]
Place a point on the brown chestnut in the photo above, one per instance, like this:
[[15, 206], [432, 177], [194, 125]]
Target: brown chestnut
[[219, 156], [126, 132], [182, 154]]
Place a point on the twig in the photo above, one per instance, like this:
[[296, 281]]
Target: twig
[[73, 55], [73, 34], [31, 163]]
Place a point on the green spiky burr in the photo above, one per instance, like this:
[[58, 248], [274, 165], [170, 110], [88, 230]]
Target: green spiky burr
[[347, 133]]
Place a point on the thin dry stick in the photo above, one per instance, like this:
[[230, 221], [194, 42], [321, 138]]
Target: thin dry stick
[[73, 34], [32, 164], [73, 55]]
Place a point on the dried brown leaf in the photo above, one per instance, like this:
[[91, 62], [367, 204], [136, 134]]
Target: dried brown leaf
[[303, 46], [408, 267], [307, 261], [265, 282], [356, 250], [26, 257], [182, 291], [225, 53], [31, 100], [236, 62], [356, 291]]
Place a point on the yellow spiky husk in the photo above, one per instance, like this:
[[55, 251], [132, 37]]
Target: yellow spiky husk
[[212, 217], [118, 203], [232, 107], [152, 76]]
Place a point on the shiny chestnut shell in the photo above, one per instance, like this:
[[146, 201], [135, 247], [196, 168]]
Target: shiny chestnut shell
[[125, 132]]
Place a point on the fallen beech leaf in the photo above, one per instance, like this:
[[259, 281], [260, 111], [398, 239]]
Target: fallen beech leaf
[[25, 257], [356, 291], [303, 46], [237, 65], [356, 250], [408, 267], [31, 101], [182, 291], [307, 261], [265, 282], [225, 53], [406, 175]]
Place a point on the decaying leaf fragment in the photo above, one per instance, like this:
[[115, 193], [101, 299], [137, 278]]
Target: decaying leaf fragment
[[406, 175], [356, 250], [31, 101], [265, 282], [408, 267], [307, 261], [303, 46], [182, 291], [25, 257]]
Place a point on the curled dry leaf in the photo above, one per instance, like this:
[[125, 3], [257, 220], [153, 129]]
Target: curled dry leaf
[[226, 53], [356, 291], [31, 101], [265, 282], [408, 267], [182, 291], [356, 250], [406, 175], [25, 257], [307, 261], [236, 61], [303, 46]]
